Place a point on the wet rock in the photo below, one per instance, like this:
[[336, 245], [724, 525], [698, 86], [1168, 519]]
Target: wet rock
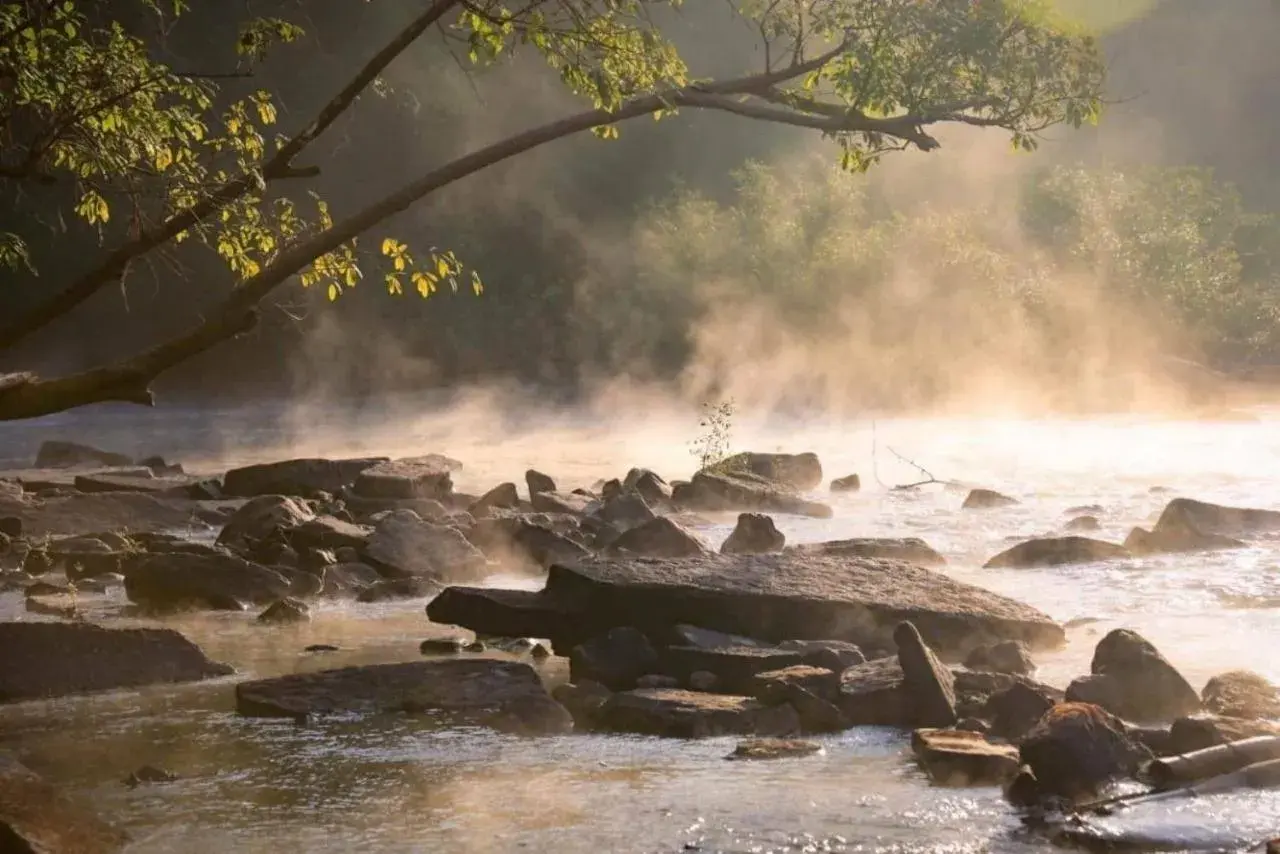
[[985, 499], [55, 454], [443, 646], [704, 681], [655, 491], [584, 700], [1088, 523], [403, 544], [35, 818], [735, 667], [1175, 538], [848, 483], [1185, 514], [62, 659], [523, 544], [718, 492], [260, 518], [1130, 678], [871, 694], [1196, 732], [691, 714], [832, 654], [429, 476], [562, 502], [928, 686], [687, 635], [1015, 711], [1004, 657], [799, 471], [538, 483], [1241, 694], [775, 597], [327, 532], [149, 775], [662, 537], [301, 477], [287, 610], [910, 549], [755, 533], [504, 694], [774, 687], [615, 659], [504, 495], [816, 714], [774, 748], [1078, 747], [392, 589], [109, 511], [11, 526], [963, 758], [170, 582], [1056, 551]]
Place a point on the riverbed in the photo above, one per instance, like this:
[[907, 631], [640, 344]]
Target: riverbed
[[402, 785]]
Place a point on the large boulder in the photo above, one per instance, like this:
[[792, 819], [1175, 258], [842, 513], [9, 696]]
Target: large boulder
[[503, 496], [430, 476], [615, 660], [303, 477], [655, 491], [871, 694], [755, 533], [1056, 551], [1076, 748], [690, 714], [116, 511], [502, 694], [624, 511], [660, 537], [403, 544], [526, 543], [537, 482], [36, 818], [1130, 678], [775, 597], [1014, 711], [1241, 694], [928, 687], [911, 549], [55, 454], [172, 582], [1206, 518], [261, 517], [798, 471], [724, 492], [1174, 539], [60, 659]]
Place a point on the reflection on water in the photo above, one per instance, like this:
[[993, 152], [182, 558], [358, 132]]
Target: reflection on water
[[398, 784]]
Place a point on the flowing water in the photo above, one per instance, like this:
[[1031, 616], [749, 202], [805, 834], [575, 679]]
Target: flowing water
[[400, 785]]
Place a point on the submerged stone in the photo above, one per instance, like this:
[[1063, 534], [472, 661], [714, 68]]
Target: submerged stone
[[984, 499], [36, 818], [1056, 551], [692, 714], [911, 549], [774, 748]]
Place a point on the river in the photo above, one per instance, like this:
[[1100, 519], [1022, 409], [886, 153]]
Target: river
[[401, 785]]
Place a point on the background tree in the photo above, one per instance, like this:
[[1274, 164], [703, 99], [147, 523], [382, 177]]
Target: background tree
[[147, 156]]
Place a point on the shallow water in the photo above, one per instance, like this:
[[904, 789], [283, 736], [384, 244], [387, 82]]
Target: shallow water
[[397, 784]]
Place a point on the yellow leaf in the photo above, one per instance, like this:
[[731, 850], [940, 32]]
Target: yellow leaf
[[399, 263], [333, 292]]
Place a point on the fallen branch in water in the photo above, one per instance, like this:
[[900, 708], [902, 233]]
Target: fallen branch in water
[[924, 471]]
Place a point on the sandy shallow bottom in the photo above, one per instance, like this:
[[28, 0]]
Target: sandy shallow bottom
[[397, 784]]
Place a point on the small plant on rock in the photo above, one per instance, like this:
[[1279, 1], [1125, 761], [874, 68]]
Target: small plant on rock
[[712, 446]]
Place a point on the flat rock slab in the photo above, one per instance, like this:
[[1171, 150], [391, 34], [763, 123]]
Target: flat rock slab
[[430, 476], [911, 549], [37, 479], [109, 482], [502, 693], [35, 818], [43, 660], [118, 511], [407, 545], [735, 667], [166, 582], [795, 596], [691, 714], [955, 758], [296, 477]]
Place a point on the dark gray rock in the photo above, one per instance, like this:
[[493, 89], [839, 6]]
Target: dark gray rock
[[1004, 657], [1185, 514], [686, 635], [11, 526], [287, 610], [691, 714], [350, 578], [755, 533], [429, 476], [443, 646], [1196, 732], [1076, 748], [624, 511], [135, 512], [911, 549], [848, 483], [871, 694], [62, 659], [301, 477], [1241, 694], [36, 818], [719, 492], [928, 686], [655, 491], [735, 668], [573, 503], [1056, 551], [260, 518], [170, 582], [502, 496], [584, 700], [798, 471], [661, 537], [615, 659], [816, 714], [538, 483], [833, 654], [502, 694], [1131, 679], [1014, 711], [327, 532], [56, 454], [1172, 540], [776, 597], [404, 544], [523, 544], [985, 499]]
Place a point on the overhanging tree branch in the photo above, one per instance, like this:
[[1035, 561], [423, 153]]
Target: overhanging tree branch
[[280, 166]]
